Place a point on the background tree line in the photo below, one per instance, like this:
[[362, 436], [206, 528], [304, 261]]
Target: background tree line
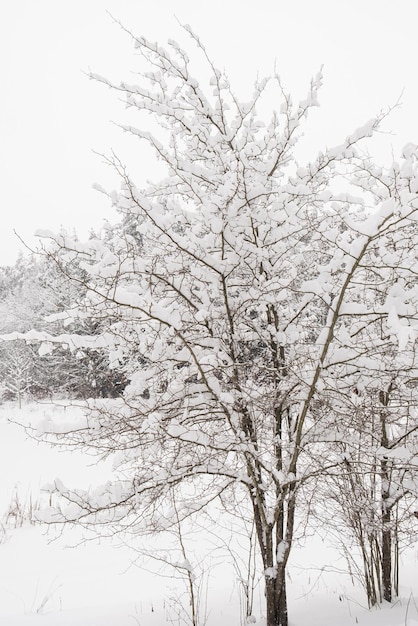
[[31, 292]]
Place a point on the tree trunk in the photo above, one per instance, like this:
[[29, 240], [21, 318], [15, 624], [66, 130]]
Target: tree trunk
[[276, 600], [386, 509], [386, 555], [275, 574], [386, 535]]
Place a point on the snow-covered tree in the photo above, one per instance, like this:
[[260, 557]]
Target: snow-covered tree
[[25, 300], [373, 493], [372, 377], [35, 294], [241, 297]]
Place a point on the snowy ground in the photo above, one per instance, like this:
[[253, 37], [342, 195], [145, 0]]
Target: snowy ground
[[67, 583]]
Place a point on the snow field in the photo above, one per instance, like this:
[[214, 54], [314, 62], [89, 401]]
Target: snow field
[[49, 578]]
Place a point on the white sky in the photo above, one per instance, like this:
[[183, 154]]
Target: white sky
[[52, 117]]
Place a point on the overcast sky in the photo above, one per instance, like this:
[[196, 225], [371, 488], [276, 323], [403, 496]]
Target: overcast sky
[[53, 118]]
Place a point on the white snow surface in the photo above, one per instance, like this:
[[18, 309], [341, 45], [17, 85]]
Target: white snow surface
[[57, 579]]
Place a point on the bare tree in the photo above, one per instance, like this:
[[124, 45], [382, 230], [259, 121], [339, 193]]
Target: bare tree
[[375, 489]]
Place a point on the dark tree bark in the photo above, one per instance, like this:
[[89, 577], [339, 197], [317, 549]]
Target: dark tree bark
[[386, 516]]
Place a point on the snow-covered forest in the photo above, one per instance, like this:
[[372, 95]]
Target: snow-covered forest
[[233, 364]]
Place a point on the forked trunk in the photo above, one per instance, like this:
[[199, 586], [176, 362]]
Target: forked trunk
[[275, 574]]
